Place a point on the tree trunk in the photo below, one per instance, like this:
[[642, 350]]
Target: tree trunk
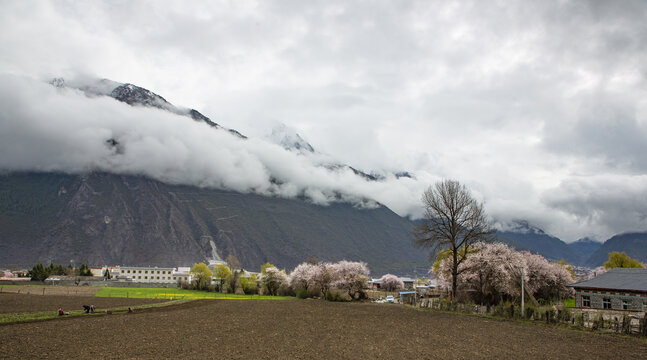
[[454, 274]]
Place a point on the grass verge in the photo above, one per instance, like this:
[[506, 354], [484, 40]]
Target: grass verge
[[46, 315]]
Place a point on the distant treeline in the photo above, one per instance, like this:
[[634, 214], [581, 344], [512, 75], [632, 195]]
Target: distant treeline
[[40, 272]]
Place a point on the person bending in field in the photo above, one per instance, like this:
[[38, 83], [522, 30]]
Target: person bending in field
[[86, 308], [92, 308], [61, 312]]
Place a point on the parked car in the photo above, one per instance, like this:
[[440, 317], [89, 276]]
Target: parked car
[[390, 299]]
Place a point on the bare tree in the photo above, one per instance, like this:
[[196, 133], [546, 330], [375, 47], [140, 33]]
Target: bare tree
[[233, 262], [453, 220]]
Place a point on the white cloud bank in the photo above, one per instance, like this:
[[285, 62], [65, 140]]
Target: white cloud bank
[[45, 128], [539, 107]]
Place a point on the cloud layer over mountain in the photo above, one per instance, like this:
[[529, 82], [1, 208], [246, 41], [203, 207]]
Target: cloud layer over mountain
[[64, 129], [539, 107]]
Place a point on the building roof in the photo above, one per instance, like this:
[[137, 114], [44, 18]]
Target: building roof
[[617, 279], [145, 268]]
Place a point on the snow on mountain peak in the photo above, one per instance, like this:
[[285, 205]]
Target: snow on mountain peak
[[289, 139]]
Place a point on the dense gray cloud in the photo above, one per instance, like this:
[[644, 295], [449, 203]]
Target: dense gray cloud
[[539, 107], [63, 129]]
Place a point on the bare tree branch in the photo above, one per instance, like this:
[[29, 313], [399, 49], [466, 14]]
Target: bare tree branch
[[453, 220]]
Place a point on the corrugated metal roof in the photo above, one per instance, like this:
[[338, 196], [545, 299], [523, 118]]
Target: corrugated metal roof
[[617, 279]]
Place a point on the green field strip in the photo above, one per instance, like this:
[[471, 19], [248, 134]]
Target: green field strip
[[170, 293]]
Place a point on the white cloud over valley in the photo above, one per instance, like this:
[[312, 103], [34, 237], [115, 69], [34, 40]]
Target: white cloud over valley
[[539, 107]]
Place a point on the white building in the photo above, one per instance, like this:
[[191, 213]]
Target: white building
[[101, 270], [147, 274]]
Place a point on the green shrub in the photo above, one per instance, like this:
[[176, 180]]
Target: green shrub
[[530, 311], [285, 290], [510, 312], [499, 310], [550, 316], [564, 315], [334, 296], [447, 305], [303, 293], [249, 285], [569, 303]]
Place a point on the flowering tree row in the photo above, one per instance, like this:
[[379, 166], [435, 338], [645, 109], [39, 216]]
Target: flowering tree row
[[349, 276], [492, 273]]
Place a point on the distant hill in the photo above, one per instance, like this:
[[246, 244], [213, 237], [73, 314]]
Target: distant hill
[[523, 236], [102, 218], [634, 244], [583, 249]]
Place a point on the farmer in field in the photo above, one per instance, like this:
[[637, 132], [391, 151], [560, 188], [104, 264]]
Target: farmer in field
[[92, 309], [86, 308], [61, 312]]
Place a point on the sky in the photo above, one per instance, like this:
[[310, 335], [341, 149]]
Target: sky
[[538, 107]]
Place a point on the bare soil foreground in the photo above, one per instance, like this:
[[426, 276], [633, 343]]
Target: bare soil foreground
[[50, 290], [302, 329], [22, 303]]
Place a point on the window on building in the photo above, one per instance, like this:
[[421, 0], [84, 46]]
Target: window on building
[[140, 271], [625, 304], [139, 277], [586, 301], [174, 278], [145, 277], [145, 271], [606, 303], [158, 278]]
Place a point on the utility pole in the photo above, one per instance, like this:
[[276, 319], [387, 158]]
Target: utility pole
[[523, 310]]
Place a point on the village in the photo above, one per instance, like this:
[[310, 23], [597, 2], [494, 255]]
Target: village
[[615, 299]]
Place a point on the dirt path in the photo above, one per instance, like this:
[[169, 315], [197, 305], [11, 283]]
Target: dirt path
[[303, 329]]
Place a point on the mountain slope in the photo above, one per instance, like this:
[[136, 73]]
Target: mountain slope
[[102, 218], [583, 249], [523, 236], [634, 244]]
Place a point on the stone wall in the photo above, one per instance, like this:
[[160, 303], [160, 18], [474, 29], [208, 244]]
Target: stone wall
[[636, 303]]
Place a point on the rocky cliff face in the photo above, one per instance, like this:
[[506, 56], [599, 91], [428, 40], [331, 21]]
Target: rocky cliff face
[[103, 218]]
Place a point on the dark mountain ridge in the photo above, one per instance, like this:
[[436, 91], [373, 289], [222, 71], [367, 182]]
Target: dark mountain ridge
[[102, 218], [583, 252], [523, 236], [633, 243]]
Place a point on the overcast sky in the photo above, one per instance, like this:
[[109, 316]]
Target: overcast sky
[[539, 107]]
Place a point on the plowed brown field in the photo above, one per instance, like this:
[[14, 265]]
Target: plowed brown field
[[302, 329], [22, 303]]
